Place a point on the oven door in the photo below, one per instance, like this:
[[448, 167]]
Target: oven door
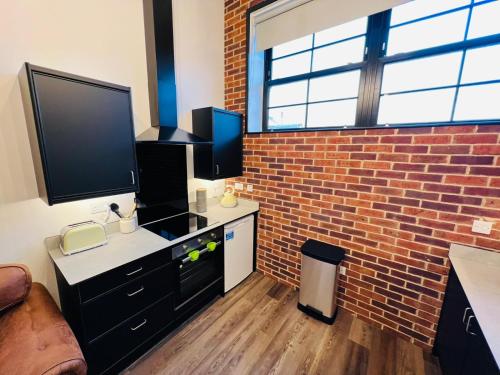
[[197, 276]]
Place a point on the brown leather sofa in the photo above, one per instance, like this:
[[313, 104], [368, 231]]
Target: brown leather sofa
[[34, 337]]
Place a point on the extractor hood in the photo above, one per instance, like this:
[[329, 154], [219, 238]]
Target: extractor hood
[[158, 24]]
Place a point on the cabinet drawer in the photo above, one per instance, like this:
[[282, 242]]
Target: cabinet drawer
[[118, 343], [109, 280], [108, 310]]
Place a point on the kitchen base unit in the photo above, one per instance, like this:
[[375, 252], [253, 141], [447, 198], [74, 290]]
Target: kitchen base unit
[[460, 343], [120, 314]]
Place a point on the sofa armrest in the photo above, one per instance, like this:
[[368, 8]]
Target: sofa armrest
[[15, 284]]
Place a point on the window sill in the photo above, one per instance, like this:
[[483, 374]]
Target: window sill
[[378, 127]]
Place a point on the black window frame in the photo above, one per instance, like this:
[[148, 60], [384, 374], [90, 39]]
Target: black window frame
[[372, 67]]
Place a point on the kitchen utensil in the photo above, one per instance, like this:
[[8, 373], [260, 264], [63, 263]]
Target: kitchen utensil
[[116, 209], [132, 211]]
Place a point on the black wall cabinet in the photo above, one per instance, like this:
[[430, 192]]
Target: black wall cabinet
[[81, 134], [224, 158], [460, 344]]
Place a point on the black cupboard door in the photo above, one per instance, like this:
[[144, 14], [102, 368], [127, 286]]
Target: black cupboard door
[[451, 340], [479, 359], [87, 152], [227, 146]]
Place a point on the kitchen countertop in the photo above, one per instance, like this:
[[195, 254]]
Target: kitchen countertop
[[125, 248], [479, 273]]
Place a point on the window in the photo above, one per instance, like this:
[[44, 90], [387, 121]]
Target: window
[[315, 76], [424, 62]]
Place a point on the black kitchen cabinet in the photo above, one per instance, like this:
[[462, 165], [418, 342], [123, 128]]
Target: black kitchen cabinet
[[120, 314], [460, 343], [223, 158], [81, 135]]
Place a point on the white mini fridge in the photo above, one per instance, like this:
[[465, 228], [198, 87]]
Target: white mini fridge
[[238, 251]]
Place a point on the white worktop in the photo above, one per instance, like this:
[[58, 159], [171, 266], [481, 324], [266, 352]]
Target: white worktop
[[125, 248], [479, 273]]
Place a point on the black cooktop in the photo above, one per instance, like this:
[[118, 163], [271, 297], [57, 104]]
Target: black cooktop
[[177, 226]]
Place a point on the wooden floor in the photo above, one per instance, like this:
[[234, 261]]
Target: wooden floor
[[257, 329]]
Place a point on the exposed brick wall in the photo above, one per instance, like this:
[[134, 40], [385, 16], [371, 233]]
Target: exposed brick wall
[[394, 199]]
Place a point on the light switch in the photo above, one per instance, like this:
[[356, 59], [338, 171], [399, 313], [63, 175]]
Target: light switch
[[249, 188], [238, 186], [481, 226]]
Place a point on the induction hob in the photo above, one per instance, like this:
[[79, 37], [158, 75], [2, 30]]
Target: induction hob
[[177, 226]]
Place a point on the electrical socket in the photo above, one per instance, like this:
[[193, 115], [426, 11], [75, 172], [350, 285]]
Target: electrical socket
[[481, 226], [249, 188], [238, 186], [98, 208], [342, 270]]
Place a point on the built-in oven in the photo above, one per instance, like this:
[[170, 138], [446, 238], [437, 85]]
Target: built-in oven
[[199, 264]]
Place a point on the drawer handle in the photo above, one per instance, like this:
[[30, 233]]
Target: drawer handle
[[465, 313], [468, 325], [136, 292], [139, 326], [134, 272]]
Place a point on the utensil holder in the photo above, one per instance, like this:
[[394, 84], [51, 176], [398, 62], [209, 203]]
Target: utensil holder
[[128, 225]]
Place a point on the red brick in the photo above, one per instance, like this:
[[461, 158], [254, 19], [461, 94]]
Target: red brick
[[485, 171], [466, 180], [486, 150], [485, 192], [476, 139], [396, 139], [449, 150], [472, 160]]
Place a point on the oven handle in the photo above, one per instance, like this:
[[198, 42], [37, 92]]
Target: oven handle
[[203, 251]]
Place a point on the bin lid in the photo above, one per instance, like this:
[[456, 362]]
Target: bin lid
[[322, 251]]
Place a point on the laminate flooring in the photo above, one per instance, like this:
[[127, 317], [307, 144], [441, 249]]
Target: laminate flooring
[[257, 329]]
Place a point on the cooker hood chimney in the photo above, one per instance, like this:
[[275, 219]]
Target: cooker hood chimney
[[158, 24]]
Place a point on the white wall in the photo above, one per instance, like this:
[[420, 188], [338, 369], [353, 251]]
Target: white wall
[[199, 68], [103, 39]]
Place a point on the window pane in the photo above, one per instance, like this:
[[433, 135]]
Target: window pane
[[290, 93], [422, 8], [485, 20], [486, 108], [337, 86], [293, 46], [339, 54], [347, 30], [287, 117], [441, 70], [291, 66], [340, 113], [429, 33], [416, 107], [482, 64]]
